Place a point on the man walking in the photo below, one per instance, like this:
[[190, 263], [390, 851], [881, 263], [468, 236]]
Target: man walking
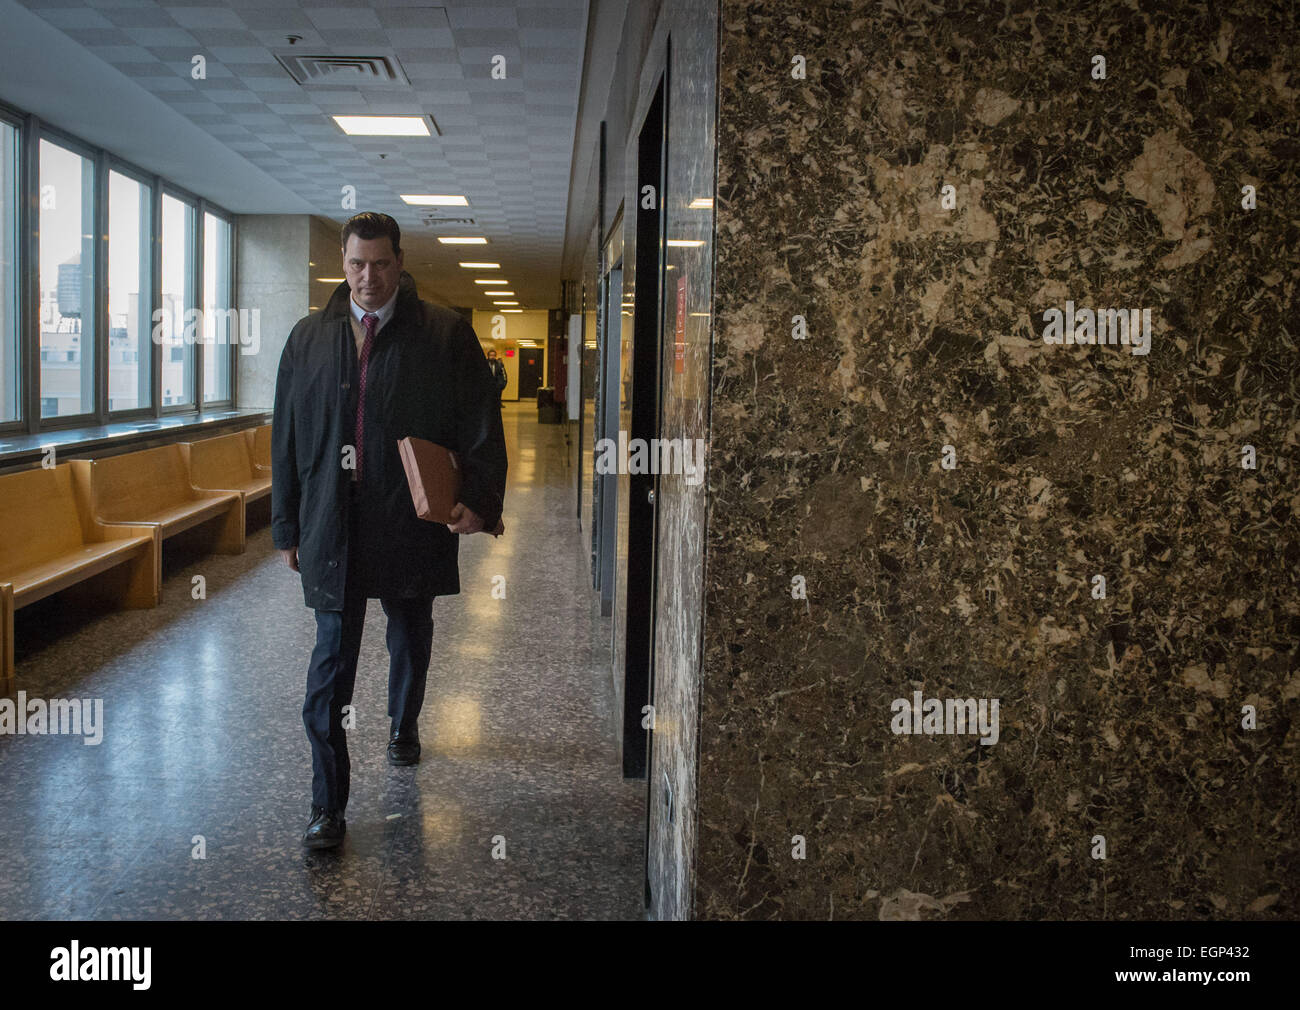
[[377, 364]]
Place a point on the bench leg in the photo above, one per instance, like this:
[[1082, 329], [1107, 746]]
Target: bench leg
[[133, 584], [8, 681], [143, 580], [230, 539]]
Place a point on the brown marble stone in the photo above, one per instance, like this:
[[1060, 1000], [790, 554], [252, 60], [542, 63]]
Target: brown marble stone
[[1119, 717]]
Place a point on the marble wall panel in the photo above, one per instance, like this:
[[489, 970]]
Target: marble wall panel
[[690, 30], [1120, 716], [326, 251], [272, 276]]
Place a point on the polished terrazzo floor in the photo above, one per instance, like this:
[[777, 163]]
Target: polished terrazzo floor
[[204, 737]]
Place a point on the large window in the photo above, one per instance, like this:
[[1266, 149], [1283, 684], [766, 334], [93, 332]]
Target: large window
[[10, 361], [178, 323], [116, 288], [221, 324], [130, 305], [67, 282]]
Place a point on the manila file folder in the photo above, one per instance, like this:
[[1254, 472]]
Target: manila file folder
[[434, 475]]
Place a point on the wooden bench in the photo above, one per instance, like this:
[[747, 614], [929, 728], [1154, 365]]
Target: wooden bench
[[259, 446], [153, 488], [49, 542], [224, 464]]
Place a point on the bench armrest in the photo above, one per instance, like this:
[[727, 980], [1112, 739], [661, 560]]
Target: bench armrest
[[123, 531]]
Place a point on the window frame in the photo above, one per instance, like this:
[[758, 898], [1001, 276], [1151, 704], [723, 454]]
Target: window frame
[[31, 130], [150, 183], [194, 283], [207, 207], [99, 294], [13, 118]]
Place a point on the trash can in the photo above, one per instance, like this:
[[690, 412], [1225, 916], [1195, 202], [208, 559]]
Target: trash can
[[548, 411]]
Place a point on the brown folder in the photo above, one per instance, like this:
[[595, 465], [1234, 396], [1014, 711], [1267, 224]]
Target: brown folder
[[434, 475]]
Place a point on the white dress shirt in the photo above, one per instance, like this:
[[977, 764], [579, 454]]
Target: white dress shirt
[[384, 312]]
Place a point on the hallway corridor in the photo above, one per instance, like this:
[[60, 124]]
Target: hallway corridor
[[203, 737]]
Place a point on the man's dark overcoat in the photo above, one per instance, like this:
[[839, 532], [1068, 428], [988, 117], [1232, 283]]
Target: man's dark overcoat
[[427, 377]]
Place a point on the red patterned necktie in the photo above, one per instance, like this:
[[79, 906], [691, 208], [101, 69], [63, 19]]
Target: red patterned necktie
[[369, 320]]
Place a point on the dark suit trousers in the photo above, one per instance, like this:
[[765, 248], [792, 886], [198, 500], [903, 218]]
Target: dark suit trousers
[[333, 673]]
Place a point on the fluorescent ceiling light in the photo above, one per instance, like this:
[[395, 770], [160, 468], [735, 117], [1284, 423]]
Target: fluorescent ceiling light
[[505, 303], [383, 126], [685, 242], [699, 203], [465, 240], [484, 280], [503, 294], [417, 200], [521, 310], [480, 266], [331, 280]]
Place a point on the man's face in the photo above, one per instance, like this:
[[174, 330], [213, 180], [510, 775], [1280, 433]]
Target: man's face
[[492, 355], [372, 270]]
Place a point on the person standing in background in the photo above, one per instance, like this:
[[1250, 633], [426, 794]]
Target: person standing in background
[[498, 372]]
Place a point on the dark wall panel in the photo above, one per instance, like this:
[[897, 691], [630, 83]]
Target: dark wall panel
[[1118, 716]]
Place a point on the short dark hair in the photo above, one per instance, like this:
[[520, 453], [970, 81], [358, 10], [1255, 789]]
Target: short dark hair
[[370, 225]]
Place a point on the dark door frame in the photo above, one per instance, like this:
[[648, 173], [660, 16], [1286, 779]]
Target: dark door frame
[[646, 422], [528, 390], [647, 329], [608, 403]]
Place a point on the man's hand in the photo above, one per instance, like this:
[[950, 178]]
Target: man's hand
[[291, 557], [463, 520]]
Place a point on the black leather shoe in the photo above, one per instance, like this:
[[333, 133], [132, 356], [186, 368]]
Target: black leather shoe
[[325, 830], [404, 748]]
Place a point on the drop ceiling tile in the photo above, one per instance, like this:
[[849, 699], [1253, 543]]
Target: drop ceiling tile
[[152, 35], [76, 18], [121, 54], [203, 17], [352, 41], [482, 16], [342, 17], [255, 55]]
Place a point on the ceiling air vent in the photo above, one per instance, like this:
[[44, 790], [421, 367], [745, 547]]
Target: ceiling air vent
[[346, 71]]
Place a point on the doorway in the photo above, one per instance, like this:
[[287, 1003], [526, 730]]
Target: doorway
[[609, 351], [647, 326], [607, 407], [530, 372], [646, 421]]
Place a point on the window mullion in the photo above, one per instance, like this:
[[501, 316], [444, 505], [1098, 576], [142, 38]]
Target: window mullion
[[196, 281], [30, 282], [99, 216], [155, 271]]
